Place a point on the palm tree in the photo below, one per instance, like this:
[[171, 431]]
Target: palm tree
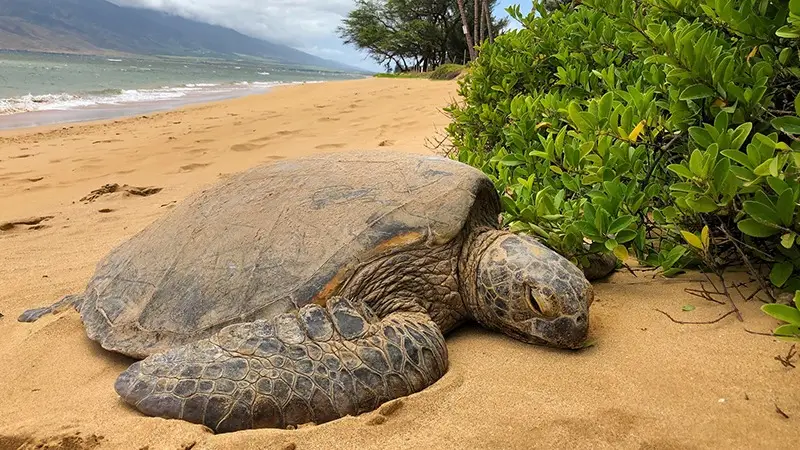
[[467, 34]]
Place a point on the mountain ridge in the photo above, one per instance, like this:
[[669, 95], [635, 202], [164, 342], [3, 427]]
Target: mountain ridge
[[102, 27]]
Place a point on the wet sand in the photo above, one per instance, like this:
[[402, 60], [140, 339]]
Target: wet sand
[[647, 383]]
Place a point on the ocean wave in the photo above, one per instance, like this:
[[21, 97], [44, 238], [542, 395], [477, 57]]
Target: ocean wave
[[109, 97], [64, 101]]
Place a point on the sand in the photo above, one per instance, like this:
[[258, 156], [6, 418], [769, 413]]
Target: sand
[[647, 383]]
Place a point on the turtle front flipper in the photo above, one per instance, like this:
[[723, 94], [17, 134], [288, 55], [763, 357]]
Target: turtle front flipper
[[32, 315], [316, 365]]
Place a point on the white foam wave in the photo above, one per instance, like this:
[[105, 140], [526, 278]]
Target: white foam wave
[[49, 102], [110, 97]]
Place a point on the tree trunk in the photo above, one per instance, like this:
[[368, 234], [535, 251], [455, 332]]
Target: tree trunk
[[483, 23], [467, 34], [476, 20], [488, 17]]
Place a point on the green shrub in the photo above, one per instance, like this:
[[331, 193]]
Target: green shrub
[[447, 72], [666, 130], [443, 72]]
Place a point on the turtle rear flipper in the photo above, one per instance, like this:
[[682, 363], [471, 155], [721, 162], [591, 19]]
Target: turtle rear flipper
[[316, 365], [32, 315]]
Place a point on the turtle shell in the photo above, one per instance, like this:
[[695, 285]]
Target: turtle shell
[[274, 238]]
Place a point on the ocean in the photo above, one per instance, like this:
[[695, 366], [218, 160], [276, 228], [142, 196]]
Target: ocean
[[39, 89]]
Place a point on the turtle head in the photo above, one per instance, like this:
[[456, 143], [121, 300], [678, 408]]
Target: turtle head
[[529, 292]]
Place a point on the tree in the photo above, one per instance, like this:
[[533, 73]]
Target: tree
[[413, 34], [470, 43]]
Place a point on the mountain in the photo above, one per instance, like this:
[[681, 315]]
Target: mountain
[[101, 27]]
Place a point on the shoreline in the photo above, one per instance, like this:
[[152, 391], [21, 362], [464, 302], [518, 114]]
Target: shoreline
[[102, 112]]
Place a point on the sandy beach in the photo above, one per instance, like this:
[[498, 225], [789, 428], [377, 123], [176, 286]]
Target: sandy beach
[[646, 383]]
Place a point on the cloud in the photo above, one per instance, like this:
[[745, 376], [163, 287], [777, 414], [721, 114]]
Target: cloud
[[308, 25]]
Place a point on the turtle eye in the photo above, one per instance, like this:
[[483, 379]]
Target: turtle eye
[[532, 301]]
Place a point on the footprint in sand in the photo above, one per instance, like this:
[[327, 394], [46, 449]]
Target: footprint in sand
[[125, 189], [329, 119], [33, 223], [329, 146], [24, 155], [386, 143], [107, 141], [194, 166], [70, 441], [10, 175], [244, 147], [385, 411], [204, 141], [34, 180]]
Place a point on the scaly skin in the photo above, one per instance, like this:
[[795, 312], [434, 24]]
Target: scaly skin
[[316, 365]]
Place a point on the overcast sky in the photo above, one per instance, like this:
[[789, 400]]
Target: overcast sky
[[307, 25]]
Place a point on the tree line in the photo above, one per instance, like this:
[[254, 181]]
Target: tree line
[[420, 35]]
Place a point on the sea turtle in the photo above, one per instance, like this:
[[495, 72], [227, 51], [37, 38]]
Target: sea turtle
[[318, 287]]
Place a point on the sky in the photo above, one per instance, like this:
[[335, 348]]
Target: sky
[[307, 25]]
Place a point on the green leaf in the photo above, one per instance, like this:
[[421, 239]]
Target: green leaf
[[794, 7], [692, 239], [721, 122], [681, 170], [755, 229], [787, 31], [620, 223], [673, 256], [788, 124], [787, 240], [739, 157], [782, 312], [688, 308], [625, 236], [621, 252], [741, 134], [696, 163], [720, 174], [510, 161], [780, 273], [763, 169], [611, 244], [700, 136], [788, 332], [797, 104], [697, 91], [786, 206], [761, 212], [703, 204]]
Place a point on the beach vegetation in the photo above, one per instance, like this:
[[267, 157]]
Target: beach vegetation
[[415, 35], [661, 131], [443, 72]]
